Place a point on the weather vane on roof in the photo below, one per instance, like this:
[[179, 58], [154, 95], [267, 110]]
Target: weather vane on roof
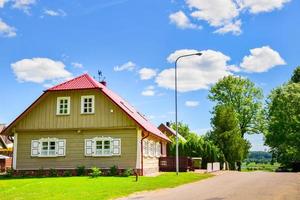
[[101, 78]]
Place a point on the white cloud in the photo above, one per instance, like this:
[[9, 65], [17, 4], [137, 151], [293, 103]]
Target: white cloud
[[192, 103], [215, 12], [23, 4], [181, 20], [6, 30], [77, 65], [2, 2], [149, 91], [233, 27], [39, 70], [225, 15], [261, 60], [147, 73], [195, 72], [258, 6], [55, 13], [129, 66]]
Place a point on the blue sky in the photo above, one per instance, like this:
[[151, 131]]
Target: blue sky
[[135, 42]]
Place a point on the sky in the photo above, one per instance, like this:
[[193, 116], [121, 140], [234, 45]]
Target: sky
[[135, 43]]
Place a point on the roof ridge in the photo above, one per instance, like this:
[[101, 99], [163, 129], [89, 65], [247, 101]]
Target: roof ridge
[[64, 83], [93, 81]]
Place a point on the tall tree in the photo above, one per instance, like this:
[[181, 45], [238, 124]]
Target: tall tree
[[245, 98], [183, 129], [296, 76], [226, 135], [283, 117]]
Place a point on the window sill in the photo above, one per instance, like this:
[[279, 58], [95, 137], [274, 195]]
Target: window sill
[[87, 113], [62, 114]]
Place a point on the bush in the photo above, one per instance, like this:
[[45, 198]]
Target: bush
[[80, 170], [113, 171], [95, 172], [9, 172], [67, 173], [53, 173], [127, 172]]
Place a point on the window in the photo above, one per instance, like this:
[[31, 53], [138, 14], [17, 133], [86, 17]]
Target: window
[[63, 106], [87, 104], [151, 148], [145, 147], [158, 149], [48, 147], [103, 146]]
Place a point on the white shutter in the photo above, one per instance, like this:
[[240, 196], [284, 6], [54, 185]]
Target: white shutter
[[88, 146], [35, 150], [116, 146], [61, 147]]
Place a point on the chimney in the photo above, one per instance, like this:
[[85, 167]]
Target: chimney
[[103, 83], [168, 124]]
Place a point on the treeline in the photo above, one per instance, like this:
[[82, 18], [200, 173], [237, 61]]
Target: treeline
[[239, 110], [259, 157]]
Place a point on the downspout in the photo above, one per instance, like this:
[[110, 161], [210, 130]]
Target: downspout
[[142, 151]]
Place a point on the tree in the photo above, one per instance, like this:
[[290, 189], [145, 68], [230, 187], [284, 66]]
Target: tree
[[296, 76], [226, 135], [183, 129], [283, 115], [195, 146], [246, 100]]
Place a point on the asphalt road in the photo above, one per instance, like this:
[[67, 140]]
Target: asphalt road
[[232, 186]]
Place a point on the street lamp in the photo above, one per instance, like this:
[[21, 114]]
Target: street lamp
[[176, 122]]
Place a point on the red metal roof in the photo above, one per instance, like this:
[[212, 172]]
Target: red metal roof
[[87, 82], [81, 82]]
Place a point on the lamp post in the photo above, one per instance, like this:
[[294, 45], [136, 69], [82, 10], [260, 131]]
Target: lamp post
[[176, 121]]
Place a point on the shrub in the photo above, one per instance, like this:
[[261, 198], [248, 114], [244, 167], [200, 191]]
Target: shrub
[[95, 172], [113, 171], [127, 172], [80, 170], [53, 173], [67, 173], [9, 172]]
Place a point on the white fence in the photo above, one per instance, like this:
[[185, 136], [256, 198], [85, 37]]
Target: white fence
[[213, 167]]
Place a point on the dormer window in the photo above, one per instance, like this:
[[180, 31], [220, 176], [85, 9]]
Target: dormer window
[[63, 106], [88, 104]]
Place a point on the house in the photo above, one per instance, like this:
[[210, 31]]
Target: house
[[82, 122], [168, 131], [5, 151]]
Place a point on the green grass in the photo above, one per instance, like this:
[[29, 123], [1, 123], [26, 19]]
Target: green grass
[[88, 188], [250, 167]]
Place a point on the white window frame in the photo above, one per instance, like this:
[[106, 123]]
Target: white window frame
[[158, 149], [58, 104], [151, 148], [145, 147], [103, 152], [92, 107], [59, 148], [114, 147]]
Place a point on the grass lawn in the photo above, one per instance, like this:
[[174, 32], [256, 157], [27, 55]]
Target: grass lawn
[[88, 188]]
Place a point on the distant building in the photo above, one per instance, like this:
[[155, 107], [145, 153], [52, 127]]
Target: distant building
[[168, 131]]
